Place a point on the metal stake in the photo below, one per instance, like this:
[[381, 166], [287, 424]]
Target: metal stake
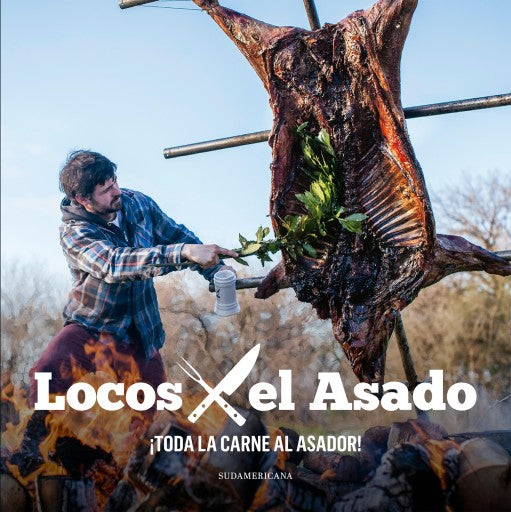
[[124, 4], [448, 107], [312, 14], [406, 356]]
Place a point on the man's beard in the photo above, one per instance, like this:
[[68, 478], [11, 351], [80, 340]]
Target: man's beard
[[115, 206]]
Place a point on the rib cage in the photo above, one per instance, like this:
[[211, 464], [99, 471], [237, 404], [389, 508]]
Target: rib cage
[[393, 209]]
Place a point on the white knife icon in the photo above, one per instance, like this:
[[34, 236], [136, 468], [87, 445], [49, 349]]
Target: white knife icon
[[230, 383]]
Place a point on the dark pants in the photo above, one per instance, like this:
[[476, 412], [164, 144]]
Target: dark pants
[[74, 351]]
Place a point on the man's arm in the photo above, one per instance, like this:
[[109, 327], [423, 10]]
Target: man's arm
[[87, 250], [167, 231]]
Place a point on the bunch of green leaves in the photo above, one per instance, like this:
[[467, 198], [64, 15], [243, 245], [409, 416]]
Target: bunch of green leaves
[[321, 200], [322, 210], [260, 247]]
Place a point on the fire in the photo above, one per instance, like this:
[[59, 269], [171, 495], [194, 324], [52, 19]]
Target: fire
[[114, 432], [15, 399], [437, 451]]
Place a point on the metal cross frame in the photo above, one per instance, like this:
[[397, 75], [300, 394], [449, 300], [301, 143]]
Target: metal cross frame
[[255, 137]]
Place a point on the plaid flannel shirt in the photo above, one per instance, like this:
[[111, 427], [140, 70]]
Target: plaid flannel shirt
[[112, 279]]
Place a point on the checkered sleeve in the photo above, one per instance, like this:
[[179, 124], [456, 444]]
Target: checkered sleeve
[[88, 250]]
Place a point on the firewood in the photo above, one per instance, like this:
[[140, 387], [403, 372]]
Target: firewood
[[319, 462], [238, 462], [334, 466], [123, 497], [347, 470], [414, 430], [291, 495], [404, 481], [167, 499], [28, 458], [484, 481], [78, 458], [295, 456], [502, 437], [207, 492], [372, 447], [8, 414], [334, 490], [149, 471], [64, 494], [13, 495], [194, 480]]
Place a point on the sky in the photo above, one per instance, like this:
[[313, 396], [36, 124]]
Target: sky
[[129, 83]]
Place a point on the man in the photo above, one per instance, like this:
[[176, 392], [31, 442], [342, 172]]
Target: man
[[112, 238]]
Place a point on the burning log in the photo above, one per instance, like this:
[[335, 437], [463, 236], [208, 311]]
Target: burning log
[[13, 496], [65, 494], [193, 478], [484, 481], [77, 458], [501, 437], [334, 466], [413, 431], [149, 471], [300, 495], [404, 481], [333, 489], [319, 462], [348, 469], [28, 457], [123, 497], [248, 461], [372, 447]]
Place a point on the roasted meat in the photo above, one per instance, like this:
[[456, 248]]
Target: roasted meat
[[345, 78]]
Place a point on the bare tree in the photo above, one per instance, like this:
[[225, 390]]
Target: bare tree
[[463, 324], [479, 208]]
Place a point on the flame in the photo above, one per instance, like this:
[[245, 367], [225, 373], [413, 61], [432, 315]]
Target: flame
[[116, 432], [437, 450], [16, 398]]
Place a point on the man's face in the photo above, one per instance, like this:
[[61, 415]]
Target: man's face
[[105, 200]]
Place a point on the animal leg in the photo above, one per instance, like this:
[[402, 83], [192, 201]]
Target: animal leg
[[271, 284], [455, 254]]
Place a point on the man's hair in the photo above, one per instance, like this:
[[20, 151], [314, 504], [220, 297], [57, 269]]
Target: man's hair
[[84, 170]]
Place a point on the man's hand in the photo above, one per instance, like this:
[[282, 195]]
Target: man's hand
[[205, 255]]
